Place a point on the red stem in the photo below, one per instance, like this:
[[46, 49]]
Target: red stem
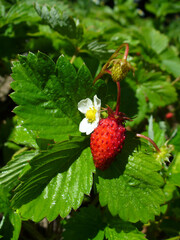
[[118, 97], [150, 140], [126, 51]]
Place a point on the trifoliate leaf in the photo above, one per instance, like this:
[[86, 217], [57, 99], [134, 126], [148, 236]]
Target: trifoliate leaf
[[56, 182], [152, 89], [60, 22], [48, 95], [131, 186]]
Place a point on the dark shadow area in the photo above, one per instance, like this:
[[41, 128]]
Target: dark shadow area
[[128, 103], [7, 228]]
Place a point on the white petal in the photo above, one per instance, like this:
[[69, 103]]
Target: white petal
[[84, 105], [97, 116], [91, 127], [97, 103], [83, 126]]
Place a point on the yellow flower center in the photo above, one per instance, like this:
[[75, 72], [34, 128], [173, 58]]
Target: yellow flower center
[[91, 114]]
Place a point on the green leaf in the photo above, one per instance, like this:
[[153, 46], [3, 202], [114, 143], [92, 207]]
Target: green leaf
[[154, 39], [131, 186], [60, 22], [159, 134], [99, 50], [118, 229], [48, 95], [4, 200], [56, 182], [152, 88], [174, 171], [162, 8], [20, 135], [159, 93], [85, 225], [170, 191], [170, 62], [10, 172], [176, 139], [18, 13], [156, 131]]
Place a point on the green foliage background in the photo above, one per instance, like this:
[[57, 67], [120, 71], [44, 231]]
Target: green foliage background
[[49, 186]]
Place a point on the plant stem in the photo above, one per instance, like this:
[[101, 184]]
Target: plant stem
[[126, 51], [75, 55], [98, 76], [176, 80], [150, 140], [118, 97], [72, 59], [115, 54]]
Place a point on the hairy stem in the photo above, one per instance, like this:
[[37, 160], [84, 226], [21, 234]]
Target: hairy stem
[[98, 76], [126, 51], [150, 140], [176, 80]]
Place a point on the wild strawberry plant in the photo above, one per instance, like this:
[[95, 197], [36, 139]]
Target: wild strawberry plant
[[95, 137]]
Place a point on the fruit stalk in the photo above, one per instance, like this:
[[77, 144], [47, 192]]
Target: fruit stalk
[[150, 140]]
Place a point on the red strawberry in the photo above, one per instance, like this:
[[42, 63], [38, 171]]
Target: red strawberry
[[107, 140]]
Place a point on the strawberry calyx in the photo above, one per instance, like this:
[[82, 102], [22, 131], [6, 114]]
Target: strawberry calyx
[[120, 117]]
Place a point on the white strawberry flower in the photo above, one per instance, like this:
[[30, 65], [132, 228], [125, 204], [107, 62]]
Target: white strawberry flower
[[91, 110]]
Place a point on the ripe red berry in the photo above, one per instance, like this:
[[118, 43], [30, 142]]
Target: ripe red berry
[[169, 115], [107, 141]]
